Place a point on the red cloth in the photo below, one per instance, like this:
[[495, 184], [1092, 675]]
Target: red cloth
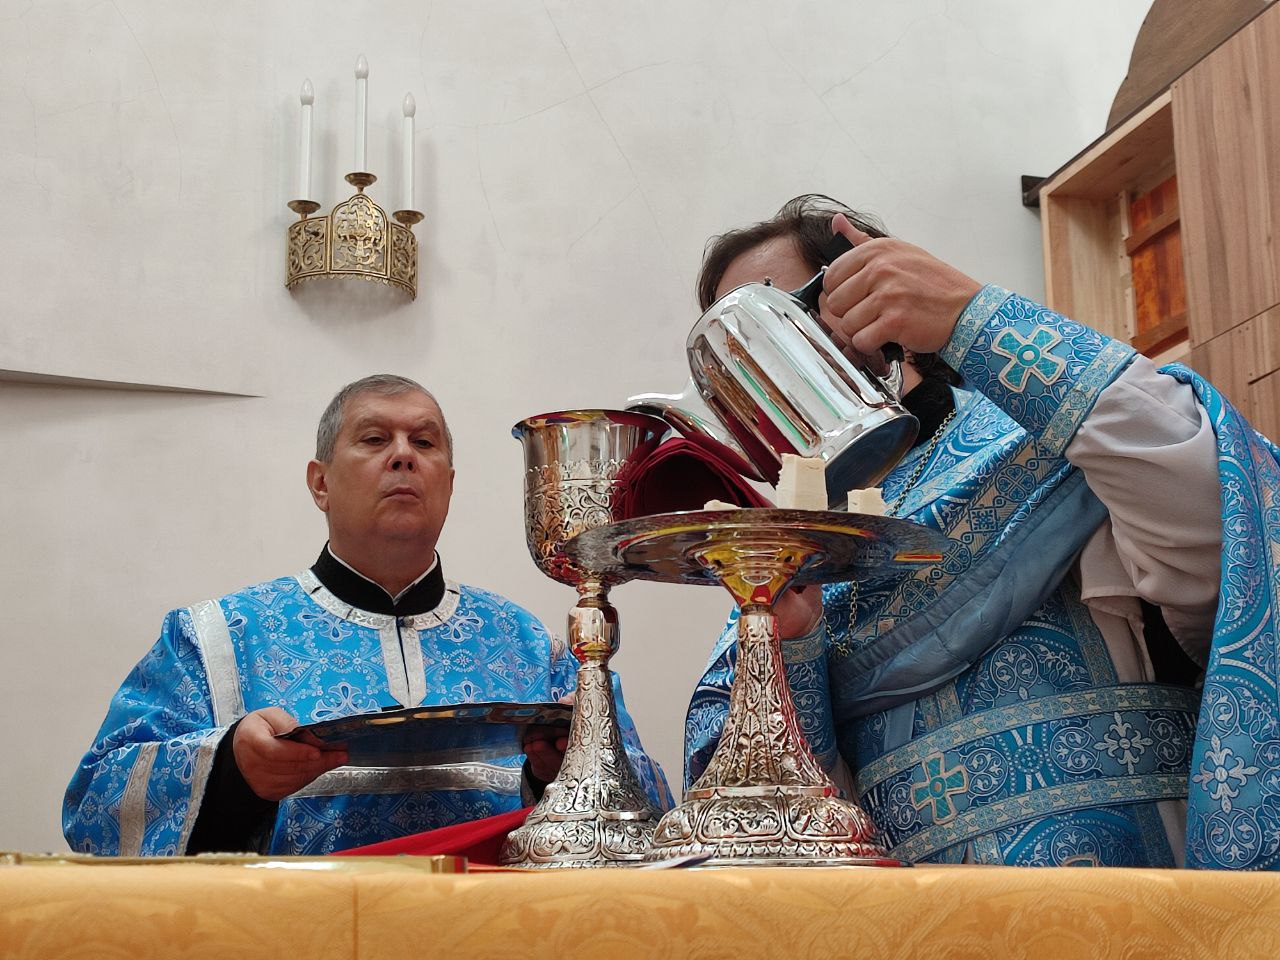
[[683, 475], [478, 840]]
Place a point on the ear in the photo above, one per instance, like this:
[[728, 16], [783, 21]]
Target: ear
[[448, 501], [318, 484]]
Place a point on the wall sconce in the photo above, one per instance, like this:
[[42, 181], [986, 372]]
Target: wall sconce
[[356, 239]]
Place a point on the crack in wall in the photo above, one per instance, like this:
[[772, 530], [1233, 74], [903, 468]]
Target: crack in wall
[[653, 216]]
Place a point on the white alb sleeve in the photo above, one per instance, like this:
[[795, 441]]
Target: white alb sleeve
[[1147, 450]]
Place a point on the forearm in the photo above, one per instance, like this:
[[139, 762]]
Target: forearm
[[1043, 369], [137, 789], [112, 802], [1143, 442]]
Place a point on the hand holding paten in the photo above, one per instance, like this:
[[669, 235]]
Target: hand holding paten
[[888, 291], [545, 747], [798, 610], [273, 768]]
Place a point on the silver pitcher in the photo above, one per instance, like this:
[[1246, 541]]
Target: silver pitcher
[[767, 368], [595, 813]]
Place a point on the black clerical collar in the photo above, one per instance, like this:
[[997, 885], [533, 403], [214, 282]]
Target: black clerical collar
[[363, 594], [929, 402]]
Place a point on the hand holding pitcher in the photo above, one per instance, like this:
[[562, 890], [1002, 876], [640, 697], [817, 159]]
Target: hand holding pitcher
[[889, 291]]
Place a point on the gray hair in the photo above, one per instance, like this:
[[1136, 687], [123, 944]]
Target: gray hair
[[383, 384]]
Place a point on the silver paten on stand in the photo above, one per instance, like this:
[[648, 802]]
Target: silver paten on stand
[[763, 799], [595, 813]]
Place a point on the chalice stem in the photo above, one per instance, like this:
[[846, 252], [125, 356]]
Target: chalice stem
[[595, 813]]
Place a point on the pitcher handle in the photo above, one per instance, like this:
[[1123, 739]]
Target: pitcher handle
[[809, 293], [893, 379]]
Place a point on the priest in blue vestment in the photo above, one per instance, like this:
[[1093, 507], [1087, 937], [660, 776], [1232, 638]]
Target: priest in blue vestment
[[1090, 676], [187, 759]]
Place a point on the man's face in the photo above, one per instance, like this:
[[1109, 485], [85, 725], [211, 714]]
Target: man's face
[[390, 478]]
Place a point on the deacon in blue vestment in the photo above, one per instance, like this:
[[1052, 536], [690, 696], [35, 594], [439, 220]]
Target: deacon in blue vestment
[[187, 759], [1090, 676]]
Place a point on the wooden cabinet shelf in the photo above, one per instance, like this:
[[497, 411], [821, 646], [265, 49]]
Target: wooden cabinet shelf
[[1163, 233], [1108, 258]]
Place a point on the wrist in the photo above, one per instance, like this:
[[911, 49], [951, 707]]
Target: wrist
[[812, 628], [811, 645]]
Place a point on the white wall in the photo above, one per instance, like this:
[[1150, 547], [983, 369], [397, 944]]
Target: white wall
[[573, 159]]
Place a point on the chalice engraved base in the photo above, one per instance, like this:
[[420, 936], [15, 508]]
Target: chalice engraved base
[[763, 799], [594, 813]]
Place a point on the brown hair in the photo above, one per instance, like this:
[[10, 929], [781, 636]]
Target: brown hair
[[806, 219]]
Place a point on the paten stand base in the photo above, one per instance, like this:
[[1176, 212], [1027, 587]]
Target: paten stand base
[[764, 799], [783, 827]]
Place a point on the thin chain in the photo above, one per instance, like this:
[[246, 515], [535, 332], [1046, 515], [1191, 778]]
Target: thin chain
[[923, 462], [842, 645]]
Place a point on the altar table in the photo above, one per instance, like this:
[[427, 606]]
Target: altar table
[[192, 910]]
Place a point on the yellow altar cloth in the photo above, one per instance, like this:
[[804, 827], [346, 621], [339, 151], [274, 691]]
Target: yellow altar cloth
[[192, 910]]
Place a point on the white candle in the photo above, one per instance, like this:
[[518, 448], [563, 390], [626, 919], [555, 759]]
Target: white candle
[[362, 97], [308, 97], [410, 108]]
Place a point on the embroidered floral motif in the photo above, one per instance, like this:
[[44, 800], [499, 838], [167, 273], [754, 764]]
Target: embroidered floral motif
[[989, 771], [279, 668], [1217, 777], [326, 625], [1234, 837], [1125, 742], [344, 701], [1071, 751]]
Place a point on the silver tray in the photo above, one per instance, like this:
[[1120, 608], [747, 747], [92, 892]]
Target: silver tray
[[427, 736]]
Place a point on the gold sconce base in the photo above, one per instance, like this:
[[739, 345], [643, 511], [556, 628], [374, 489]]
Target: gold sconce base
[[357, 239]]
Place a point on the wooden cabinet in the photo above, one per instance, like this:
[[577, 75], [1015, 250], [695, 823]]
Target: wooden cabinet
[[1111, 225], [1226, 121], [1244, 363], [1164, 232]]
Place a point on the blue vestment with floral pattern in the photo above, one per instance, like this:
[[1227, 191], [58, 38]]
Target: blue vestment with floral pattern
[[291, 643], [1233, 805], [975, 701]]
